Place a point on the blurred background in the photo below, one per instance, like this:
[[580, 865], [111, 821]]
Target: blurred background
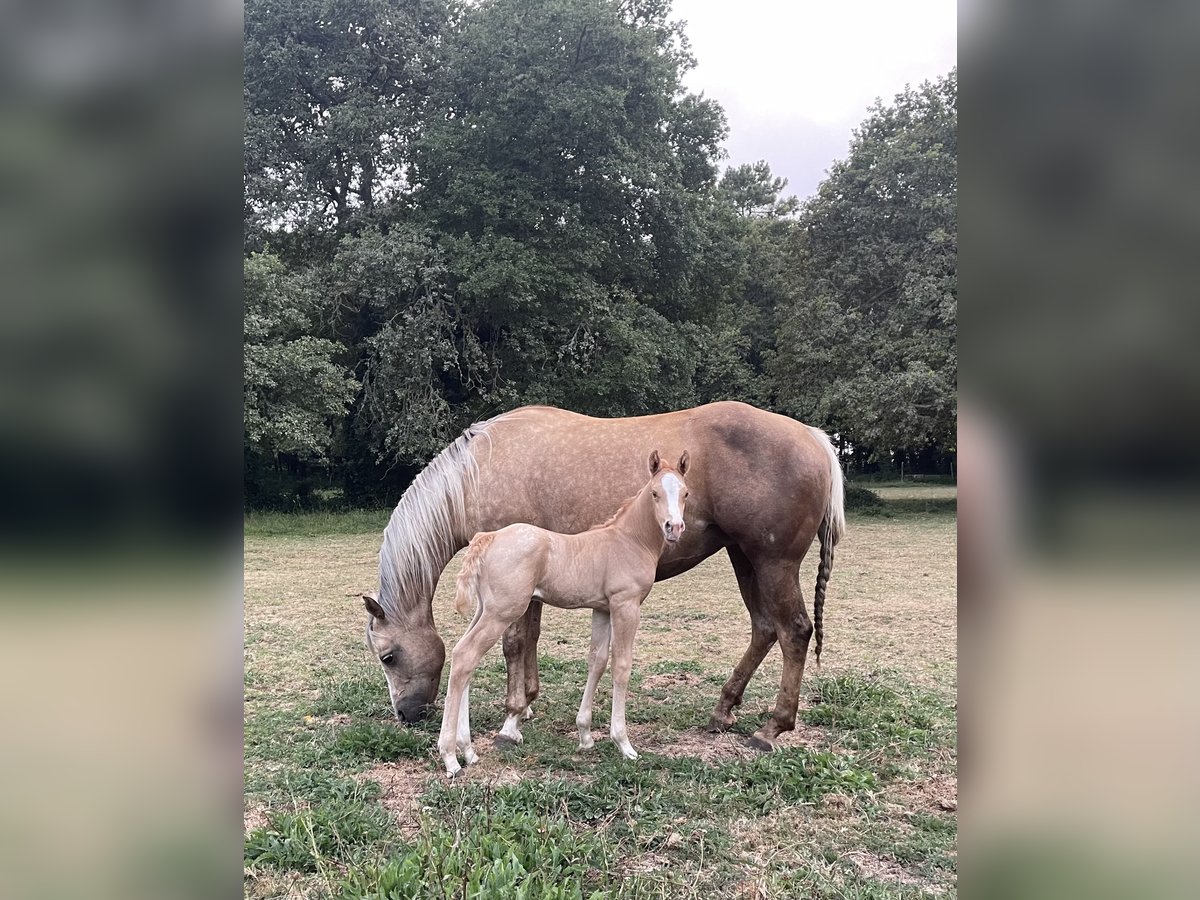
[[120, 398], [124, 174]]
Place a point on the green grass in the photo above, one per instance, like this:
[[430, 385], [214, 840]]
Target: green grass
[[566, 825], [313, 524]]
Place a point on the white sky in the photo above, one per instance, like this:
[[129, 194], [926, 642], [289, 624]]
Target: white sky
[[795, 77]]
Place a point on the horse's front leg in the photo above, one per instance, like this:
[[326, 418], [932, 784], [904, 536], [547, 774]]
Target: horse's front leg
[[626, 613], [515, 701], [520, 657], [597, 660]]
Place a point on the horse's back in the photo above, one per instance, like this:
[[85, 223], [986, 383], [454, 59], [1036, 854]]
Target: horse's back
[[755, 475]]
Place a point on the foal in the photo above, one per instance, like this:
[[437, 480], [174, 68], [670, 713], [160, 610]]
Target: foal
[[609, 570]]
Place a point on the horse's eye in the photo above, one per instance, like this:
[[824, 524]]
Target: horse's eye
[[654, 494], [686, 494], [388, 660]]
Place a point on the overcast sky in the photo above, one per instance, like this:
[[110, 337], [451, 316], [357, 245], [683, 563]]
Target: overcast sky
[[795, 77]]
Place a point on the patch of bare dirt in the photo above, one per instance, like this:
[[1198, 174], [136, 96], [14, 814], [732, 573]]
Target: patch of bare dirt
[[671, 680], [645, 863], [938, 793], [401, 785], [881, 868], [699, 743], [253, 817]]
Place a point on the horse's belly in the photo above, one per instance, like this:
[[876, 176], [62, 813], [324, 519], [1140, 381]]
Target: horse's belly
[[570, 600]]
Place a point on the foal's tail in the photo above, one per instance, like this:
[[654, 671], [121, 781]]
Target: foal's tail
[[467, 584], [833, 526]]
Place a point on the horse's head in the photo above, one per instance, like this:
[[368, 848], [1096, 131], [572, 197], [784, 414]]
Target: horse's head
[[412, 656], [668, 493]]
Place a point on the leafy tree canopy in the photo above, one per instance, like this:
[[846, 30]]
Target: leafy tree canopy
[[869, 343]]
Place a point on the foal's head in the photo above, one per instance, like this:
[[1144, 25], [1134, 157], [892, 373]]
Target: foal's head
[[668, 493]]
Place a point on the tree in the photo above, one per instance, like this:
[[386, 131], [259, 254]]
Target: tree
[[869, 345], [335, 92], [296, 393], [570, 182], [753, 191]]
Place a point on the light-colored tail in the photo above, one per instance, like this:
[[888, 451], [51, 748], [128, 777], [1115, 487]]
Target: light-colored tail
[[467, 584], [833, 526]]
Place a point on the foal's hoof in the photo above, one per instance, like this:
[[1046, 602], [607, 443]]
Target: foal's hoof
[[760, 744], [504, 741]]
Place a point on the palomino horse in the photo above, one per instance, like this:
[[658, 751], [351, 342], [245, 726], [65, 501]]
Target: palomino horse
[[764, 487], [608, 569]]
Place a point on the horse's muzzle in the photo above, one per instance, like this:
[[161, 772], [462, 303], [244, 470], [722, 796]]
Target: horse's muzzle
[[411, 712]]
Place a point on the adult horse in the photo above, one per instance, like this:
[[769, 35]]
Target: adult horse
[[763, 487]]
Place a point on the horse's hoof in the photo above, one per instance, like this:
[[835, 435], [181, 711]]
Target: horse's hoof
[[760, 744], [470, 757], [630, 754], [587, 743], [451, 771], [503, 740], [717, 725], [529, 712]]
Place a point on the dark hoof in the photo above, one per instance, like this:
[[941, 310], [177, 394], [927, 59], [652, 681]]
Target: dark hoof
[[715, 725], [503, 742], [760, 744]]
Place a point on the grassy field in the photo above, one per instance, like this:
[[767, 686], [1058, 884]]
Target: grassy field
[[859, 801]]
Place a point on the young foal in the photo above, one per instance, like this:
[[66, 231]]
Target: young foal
[[609, 569]]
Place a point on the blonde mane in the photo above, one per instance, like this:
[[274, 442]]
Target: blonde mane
[[428, 525], [620, 509]]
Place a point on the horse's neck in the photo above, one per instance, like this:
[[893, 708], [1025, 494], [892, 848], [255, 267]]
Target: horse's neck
[[416, 557], [637, 524]]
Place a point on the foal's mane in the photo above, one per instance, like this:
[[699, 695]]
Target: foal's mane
[[620, 509], [420, 536], [627, 503]]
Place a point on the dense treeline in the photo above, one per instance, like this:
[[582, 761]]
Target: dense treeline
[[456, 209]]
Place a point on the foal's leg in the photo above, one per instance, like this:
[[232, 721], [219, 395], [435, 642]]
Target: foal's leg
[[480, 637], [463, 738], [780, 588], [597, 660], [762, 639], [626, 613]]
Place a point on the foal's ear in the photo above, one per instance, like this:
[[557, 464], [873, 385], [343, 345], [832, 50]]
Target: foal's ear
[[683, 463], [655, 462], [371, 602]]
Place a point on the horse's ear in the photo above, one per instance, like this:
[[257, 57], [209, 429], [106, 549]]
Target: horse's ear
[[371, 602], [654, 462], [683, 463]]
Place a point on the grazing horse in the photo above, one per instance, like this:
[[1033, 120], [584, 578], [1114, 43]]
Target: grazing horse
[[608, 569], [765, 486]]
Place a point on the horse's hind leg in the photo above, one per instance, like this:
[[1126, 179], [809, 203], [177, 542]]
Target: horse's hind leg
[[483, 633], [779, 586], [762, 639], [597, 660], [463, 738]]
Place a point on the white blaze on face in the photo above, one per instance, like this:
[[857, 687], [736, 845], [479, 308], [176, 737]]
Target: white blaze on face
[[673, 488]]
